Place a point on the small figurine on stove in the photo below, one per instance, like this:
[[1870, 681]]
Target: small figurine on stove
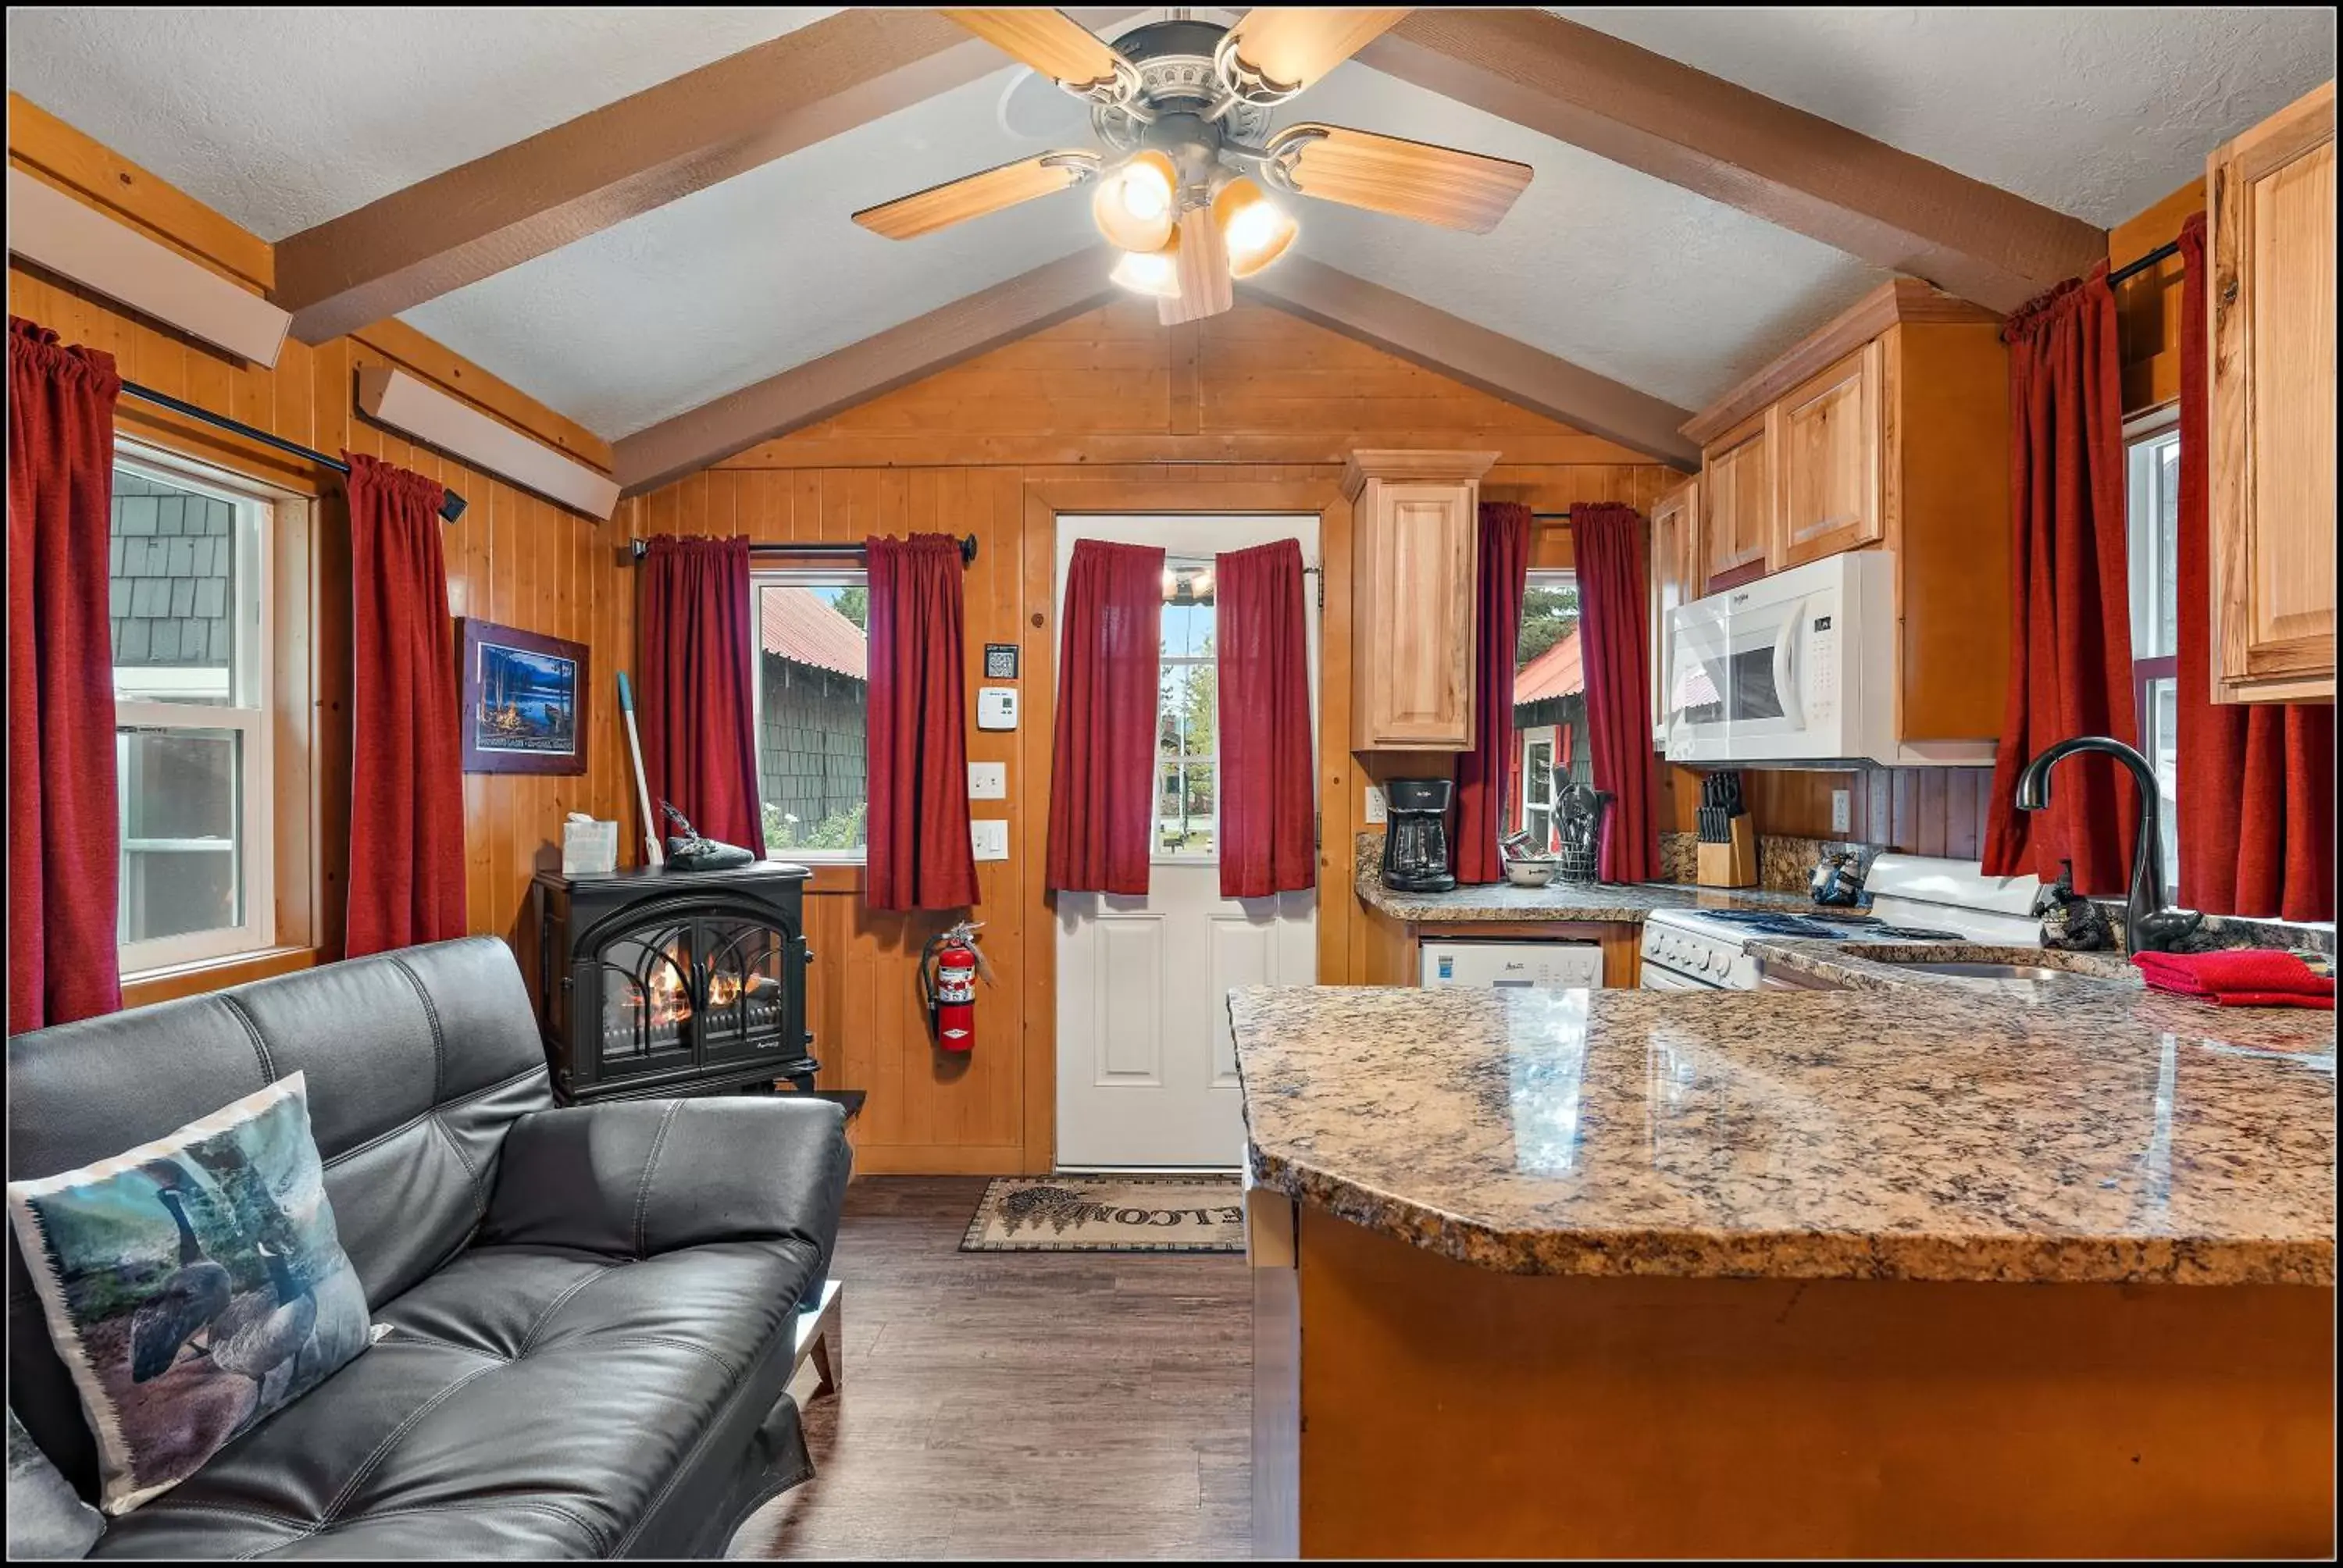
[[687, 851], [2070, 921]]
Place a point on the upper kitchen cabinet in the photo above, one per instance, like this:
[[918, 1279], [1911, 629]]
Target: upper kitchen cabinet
[[2273, 407], [1887, 428], [1737, 491], [1415, 561], [1676, 575]]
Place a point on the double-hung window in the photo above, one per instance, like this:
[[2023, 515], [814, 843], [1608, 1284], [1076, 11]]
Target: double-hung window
[[1549, 703], [814, 709], [2152, 501], [189, 600]]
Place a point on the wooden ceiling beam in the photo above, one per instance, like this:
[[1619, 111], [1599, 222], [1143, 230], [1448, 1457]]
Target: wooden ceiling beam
[[1500, 366], [623, 160], [860, 371], [1734, 146]]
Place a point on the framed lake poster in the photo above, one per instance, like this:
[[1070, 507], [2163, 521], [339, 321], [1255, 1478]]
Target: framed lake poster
[[524, 700]]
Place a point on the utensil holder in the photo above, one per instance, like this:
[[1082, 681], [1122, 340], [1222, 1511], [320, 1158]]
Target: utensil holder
[[1576, 865], [1734, 862]]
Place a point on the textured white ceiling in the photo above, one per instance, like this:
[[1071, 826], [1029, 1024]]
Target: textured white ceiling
[[1625, 275], [747, 278], [2096, 111], [283, 118]]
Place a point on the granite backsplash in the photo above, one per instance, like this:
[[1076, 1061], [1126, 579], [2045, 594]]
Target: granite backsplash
[[1784, 864]]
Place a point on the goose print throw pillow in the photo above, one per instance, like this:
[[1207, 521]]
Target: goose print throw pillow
[[193, 1286]]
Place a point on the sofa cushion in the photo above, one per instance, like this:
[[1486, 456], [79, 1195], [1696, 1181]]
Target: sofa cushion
[[527, 1400], [193, 1285]]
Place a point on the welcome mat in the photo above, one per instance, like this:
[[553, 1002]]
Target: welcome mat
[[1107, 1214]]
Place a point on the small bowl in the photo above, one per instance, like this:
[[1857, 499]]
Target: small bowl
[[1530, 873]]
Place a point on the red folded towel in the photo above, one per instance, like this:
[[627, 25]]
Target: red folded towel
[[2240, 977]]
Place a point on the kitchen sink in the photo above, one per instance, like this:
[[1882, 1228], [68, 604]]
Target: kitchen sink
[[1979, 971]]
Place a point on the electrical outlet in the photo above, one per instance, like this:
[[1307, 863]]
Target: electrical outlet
[[1842, 811], [989, 837], [987, 781], [1376, 812]]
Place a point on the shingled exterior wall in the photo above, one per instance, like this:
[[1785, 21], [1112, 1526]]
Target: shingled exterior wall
[[811, 754], [170, 565]]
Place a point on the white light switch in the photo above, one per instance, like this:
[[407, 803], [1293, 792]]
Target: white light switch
[[996, 708], [989, 836], [1375, 812], [987, 781], [1842, 811]]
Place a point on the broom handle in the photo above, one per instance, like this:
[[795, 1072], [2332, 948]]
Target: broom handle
[[642, 789]]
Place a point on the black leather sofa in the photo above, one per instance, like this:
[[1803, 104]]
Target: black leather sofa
[[591, 1309]]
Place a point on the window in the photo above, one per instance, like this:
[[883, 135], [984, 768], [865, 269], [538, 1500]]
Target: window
[[1549, 705], [189, 599], [1187, 714], [813, 706], [2152, 500]]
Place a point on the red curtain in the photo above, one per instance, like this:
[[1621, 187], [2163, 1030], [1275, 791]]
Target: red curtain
[[920, 856], [2257, 780], [1269, 833], [1103, 765], [698, 710], [2069, 598], [63, 843], [1481, 772], [407, 771], [1613, 635]]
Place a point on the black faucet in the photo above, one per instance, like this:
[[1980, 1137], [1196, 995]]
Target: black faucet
[[2148, 925]]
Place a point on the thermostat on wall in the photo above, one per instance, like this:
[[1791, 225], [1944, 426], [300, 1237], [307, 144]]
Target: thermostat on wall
[[996, 708]]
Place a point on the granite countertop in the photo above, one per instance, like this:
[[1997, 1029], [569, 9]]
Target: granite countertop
[[1884, 966], [1610, 903], [2109, 1134]]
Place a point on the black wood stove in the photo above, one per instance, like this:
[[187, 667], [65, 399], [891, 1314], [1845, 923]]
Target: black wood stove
[[660, 982]]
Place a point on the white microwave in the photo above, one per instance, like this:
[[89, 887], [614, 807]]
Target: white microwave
[[1794, 667]]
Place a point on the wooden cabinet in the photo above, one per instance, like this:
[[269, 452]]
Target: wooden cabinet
[[2273, 407], [1676, 577], [1737, 495], [1415, 563], [1887, 428], [1828, 459]]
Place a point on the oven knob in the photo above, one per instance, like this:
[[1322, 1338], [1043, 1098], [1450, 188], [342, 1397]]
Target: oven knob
[[1707, 960]]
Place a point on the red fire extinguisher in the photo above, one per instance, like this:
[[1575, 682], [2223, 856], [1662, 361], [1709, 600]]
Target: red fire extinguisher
[[949, 968]]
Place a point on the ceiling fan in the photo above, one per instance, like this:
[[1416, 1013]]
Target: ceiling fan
[[1182, 109]]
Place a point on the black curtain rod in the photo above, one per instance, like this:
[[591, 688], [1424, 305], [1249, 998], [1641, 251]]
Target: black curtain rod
[[2144, 262], [451, 506], [642, 548]]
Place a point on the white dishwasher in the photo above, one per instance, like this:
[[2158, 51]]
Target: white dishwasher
[[1555, 966]]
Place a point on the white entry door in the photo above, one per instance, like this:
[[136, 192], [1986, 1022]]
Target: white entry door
[[1147, 1070]]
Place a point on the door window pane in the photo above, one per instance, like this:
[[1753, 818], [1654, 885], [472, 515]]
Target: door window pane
[[1185, 804], [182, 839], [1187, 714]]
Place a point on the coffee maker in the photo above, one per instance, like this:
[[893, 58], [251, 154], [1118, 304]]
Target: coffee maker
[[1416, 844]]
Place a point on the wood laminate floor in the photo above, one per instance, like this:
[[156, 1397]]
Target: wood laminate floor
[[1020, 1404]]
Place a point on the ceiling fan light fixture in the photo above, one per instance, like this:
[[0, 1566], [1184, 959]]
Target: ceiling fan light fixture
[[1255, 229], [1153, 273], [1138, 202]]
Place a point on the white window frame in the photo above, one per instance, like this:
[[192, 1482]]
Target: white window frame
[[252, 717], [2147, 671], [759, 580], [1157, 855]]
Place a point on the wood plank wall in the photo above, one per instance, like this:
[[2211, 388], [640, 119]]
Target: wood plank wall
[[1251, 396], [513, 557], [1919, 811]]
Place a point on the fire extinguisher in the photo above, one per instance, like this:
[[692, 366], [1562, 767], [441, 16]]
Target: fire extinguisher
[[949, 968]]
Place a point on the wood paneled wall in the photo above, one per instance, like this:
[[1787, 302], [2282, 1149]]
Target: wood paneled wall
[[513, 557], [1110, 402], [2147, 304], [1919, 811]]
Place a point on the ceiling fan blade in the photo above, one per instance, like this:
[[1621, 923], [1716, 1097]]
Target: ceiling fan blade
[[1295, 45], [1203, 262], [957, 201], [1051, 42], [1417, 180]]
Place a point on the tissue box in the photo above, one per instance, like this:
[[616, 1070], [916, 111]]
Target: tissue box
[[587, 848]]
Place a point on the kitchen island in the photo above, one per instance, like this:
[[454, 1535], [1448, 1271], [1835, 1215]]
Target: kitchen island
[[1853, 1272]]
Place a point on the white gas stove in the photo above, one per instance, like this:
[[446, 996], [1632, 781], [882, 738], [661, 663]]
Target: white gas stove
[[1914, 899]]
